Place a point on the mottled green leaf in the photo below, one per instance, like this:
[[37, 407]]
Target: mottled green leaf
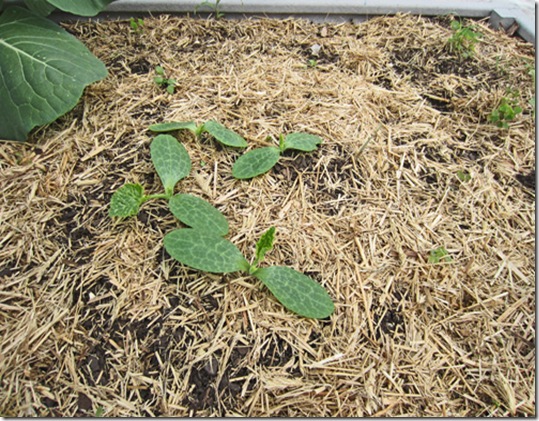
[[171, 161], [39, 7], [296, 291], [203, 251], [301, 142], [199, 214], [223, 135], [255, 162], [126, 200], [173, 126]]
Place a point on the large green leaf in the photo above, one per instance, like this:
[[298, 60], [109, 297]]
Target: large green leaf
[[296, 291], [81, 7], [43, 72], [223, 135], [171, 161], [40, 7], [197, 213], [255, 162], [126, 200], [203, 251]]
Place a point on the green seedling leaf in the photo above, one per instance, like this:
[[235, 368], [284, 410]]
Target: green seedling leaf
[[203, 251], [301, 142], [199, 214], [173, 126], [223, 135], [296, 291], [126, 200], [439, 254], [463, 176], [43, 72], [171, 161], [255, 162], [264, 245]]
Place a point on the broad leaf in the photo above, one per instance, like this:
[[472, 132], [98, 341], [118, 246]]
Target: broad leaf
[[296, 291], [264, 245], [301, 142], [197, 213], [39, 7], [203, 251], [43, 72], [126, 200], [173, 126], [81, 7], [171, 161], [223, 135], [255, 162]]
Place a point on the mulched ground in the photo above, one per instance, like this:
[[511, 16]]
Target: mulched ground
[[95, 316]]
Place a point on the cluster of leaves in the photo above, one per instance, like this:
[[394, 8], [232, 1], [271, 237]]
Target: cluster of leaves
[[255, 162], [43, 68], [137, 25], [438, 255], [201, 245], [508, 109], [162, 80], [463, 39]]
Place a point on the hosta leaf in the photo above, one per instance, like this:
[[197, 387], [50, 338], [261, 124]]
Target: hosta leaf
[[197, 213], [173, 126], [171, 161], [81, 8], [126, 200], [223, 135], [296, 291], [203, 251], [43, 72], [39, 7], [301, 142], [255, 162]]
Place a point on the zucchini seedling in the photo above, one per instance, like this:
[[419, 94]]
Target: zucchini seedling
[[202, 245], [223, 135], [261, 160]]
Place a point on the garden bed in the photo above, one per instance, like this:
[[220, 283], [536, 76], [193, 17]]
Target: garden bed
[[96, 316]]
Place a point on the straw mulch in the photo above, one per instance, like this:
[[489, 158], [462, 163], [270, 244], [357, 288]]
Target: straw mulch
[[95, 316]]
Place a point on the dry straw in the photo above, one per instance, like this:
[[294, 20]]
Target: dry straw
[[94, 314]]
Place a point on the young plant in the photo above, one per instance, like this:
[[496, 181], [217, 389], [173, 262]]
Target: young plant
[[137, 25], [223, 135], [161, 80], [214, 6], [261, 160], [172, 163], [438, 255], [463, 39], [506, 112], [210, 252]]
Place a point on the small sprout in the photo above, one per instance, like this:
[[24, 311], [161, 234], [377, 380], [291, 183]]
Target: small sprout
[[161, 80], [99, 412], [439, 254], [463, 39], [261, 160], [137, 25], [463, 176], [506, 112], [214, 6], [312, 63]]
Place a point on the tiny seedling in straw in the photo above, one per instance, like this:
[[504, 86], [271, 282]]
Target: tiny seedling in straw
[[223, 135], [161, 80], [261, 160]]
